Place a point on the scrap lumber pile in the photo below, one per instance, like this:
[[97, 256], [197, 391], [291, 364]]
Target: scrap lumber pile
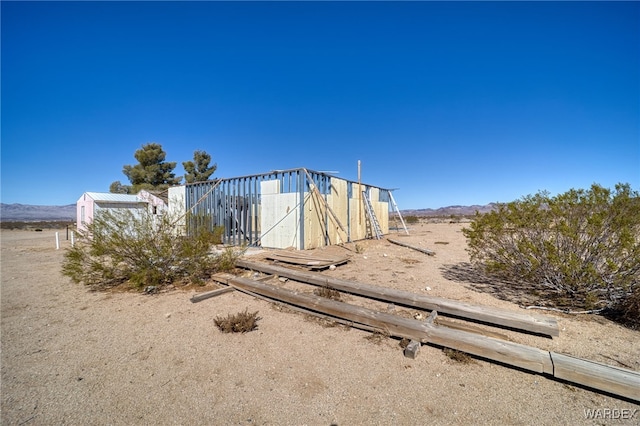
[[617, 381]]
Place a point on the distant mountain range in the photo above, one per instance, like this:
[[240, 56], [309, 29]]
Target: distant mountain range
[[25, 212], [450, 211]]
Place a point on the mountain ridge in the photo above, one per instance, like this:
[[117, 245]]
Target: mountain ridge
[[27, 212], [456, 210]]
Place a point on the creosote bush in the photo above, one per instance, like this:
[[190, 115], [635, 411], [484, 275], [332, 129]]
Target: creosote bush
[[242, 322], [627, 310], [583, 245], [142, 249], [412, 220]]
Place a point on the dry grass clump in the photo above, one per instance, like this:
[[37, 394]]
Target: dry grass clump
[[242, 322], [323, 322], [377, 337], [328, 293], [458, 356]]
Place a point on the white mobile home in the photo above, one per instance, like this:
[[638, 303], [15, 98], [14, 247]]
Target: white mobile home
[[90, 203]]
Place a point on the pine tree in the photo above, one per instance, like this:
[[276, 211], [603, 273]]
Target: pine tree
[[199, 170], [152, 171]]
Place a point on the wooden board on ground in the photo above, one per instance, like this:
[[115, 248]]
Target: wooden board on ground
[[618, 381], [517, 320], [308, 260], [421, 250], [209, 294]]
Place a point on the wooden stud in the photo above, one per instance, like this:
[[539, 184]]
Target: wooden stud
[[500, 317], [203, 296], [602, 377], [421, 250]]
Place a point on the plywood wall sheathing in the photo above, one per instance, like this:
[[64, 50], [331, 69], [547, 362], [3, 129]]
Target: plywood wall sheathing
[[339, 203], [314, 214], [279, 219]]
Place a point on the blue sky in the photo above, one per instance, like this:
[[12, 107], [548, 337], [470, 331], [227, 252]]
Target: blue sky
[[450, 102]]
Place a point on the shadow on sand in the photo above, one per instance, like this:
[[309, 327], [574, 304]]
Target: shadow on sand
[[520, 293]]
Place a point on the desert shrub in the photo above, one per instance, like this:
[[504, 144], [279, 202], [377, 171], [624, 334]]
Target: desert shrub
[[241, 322], [124, 246], [412, 220], [584, 245], [627, 310], [197, 222], [227, 259]]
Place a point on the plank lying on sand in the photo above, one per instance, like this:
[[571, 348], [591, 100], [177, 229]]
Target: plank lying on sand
[[501, 317], [309, 260], [203, 296], [617, 381], [507, 352], [425, 251]]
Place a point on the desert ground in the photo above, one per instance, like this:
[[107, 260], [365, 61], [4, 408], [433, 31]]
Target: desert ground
[[74, 356]]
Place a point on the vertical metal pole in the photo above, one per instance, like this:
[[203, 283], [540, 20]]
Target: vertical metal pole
[[249, 208], [349, 197], [302, 178], [327, 240], [234, 211], [256, 210], [245, 213], [359, 196], [225, 210]]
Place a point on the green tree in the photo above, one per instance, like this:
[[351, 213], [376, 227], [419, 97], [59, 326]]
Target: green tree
[[199, 170], [118, 188], [152, 171], [583, 245]]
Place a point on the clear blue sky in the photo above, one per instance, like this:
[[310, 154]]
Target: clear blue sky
[[451, 102]]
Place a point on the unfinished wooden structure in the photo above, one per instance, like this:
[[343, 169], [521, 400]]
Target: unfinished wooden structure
[[297, 208]]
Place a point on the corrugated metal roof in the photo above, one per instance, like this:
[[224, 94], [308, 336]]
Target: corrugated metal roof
[[114, 198]]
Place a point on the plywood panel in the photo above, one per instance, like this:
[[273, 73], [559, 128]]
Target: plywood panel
[[314, 221], [358, 220], [270, 187], [279, 220], [339, 203], [381, 210]]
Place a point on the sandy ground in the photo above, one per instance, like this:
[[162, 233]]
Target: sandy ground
[[71, 356]]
